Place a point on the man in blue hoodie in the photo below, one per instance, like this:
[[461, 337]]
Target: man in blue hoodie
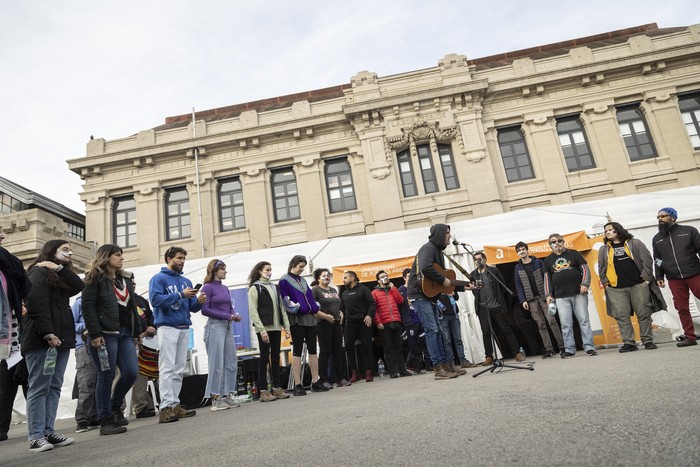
[[173, 299]]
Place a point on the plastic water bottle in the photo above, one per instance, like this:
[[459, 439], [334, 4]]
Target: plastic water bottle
[[50, 361], [104, 358], [381, 368], [552, 308], [522, 351]]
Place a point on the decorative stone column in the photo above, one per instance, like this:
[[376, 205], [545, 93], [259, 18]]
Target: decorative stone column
[[150, 222], [310, 188], [256, 196], [546, 155], [98, 221]]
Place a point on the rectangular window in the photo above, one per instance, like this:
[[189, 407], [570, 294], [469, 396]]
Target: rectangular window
[[574, 144], [635, 132], [341, 194], [285, 198], [75, 231], [10, 204], [124, 222], [426, 168], [448, 166], [690, 111], [408, 180], [177, 214], [516, 159], [231, 205]]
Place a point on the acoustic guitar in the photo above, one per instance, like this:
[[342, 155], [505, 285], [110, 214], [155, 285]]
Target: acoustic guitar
[[432, 288]]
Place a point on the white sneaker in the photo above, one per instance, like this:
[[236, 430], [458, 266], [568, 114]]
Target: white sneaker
[[40, 444], [232, 400], [219, 403]]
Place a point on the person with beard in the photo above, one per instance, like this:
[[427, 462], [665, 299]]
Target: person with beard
[[173, 299], [47, 325], [625, 270], [566, 281], [676, 257], [431, 253], [14, 287]]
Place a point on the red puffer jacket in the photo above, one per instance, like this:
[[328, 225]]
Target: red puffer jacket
[[388, 305]]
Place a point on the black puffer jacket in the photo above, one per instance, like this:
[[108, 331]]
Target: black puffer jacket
[[676, 255], [101, 309], [48, 309]]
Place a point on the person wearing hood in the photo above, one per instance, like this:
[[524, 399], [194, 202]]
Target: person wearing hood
[[173, 299], [677, 258], [431, 253]]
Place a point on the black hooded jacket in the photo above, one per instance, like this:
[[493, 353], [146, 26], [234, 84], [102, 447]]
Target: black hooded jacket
[[428, 254]]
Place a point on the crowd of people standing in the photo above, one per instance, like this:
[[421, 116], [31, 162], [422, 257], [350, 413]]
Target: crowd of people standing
[[418, 330]]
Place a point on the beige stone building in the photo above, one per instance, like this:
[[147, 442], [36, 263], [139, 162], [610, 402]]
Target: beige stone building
[[596, 117], [28, 220]]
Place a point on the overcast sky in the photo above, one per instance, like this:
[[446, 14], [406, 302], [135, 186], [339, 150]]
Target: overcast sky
[[71, 69]]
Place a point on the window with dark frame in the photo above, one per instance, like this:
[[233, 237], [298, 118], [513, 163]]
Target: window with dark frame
[[448, 166], [341, 193], [427, 170], [574, 144], [124, 222], [690, 112], [10, 204], [408, 180], [75, 231], [177, 214], [516, 159], [635, 133], [231, 210], [285, 197]]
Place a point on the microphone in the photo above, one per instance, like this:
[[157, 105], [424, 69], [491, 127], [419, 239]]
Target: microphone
[[456, 243]]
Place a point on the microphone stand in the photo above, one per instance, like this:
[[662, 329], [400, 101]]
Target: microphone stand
[[497, 363]]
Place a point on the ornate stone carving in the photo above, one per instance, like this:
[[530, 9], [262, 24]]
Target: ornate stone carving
[[422, 132]]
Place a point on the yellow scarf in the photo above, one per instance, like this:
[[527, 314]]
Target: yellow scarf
[[611, 274]]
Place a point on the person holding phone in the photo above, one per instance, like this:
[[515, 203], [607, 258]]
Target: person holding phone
[[388, 321], [219, 337]]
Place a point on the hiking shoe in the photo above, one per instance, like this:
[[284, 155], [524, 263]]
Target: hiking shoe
[[280, 393], [627, 348], [119, 418], [265, 396], [488, 361], [450, 367], [442, 372], [299, 390], [593, 353], [565, 354], [40, 444], [467, 364], [519, 357], [109, 427], [145, 413], [318, 387], [650, 346], [59, 440], [687, 343], [548, 354], [168, 415], [183, 412], [81, 427], [218, 403]]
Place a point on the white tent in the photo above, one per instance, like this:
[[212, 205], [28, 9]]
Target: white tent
[[636, 212]]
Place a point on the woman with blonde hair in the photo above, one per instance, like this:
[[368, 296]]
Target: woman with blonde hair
[[48, 334], [218, 338], [113, 325], [268, 317]]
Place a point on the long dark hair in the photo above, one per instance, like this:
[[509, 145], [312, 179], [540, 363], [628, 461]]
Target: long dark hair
[[48, 253], [317, 275], [255, 272], [98, 266], [622, 234]]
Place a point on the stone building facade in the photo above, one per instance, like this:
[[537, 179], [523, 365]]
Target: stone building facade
[[595, 117]]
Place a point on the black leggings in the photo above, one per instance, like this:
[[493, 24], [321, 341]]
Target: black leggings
[[269, 353], [330, 340], [301, 334]]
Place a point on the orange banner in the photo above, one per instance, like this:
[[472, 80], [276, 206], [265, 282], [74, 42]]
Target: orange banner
[[506, 254], [366, 271]]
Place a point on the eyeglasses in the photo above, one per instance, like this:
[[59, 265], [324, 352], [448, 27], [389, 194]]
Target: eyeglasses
[[554, 242]]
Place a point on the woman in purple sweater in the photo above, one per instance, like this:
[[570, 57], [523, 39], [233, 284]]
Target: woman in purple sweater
[[218, 338], [301, 307]]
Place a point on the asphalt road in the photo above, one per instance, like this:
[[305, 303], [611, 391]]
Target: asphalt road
[[636, 409]]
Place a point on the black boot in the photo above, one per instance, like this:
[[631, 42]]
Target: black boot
[[109, 427], [118, 417]]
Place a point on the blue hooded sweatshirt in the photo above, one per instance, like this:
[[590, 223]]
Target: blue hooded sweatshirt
[[169, 306]]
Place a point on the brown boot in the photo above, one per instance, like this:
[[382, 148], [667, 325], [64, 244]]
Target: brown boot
[[265, 396], [441, 372], [519, 357], [488, 361], [183, 412], [279, 393], [451, 367]]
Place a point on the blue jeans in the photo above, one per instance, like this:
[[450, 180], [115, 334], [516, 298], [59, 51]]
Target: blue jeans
[[120, 349], [567, 307], [44, 391], [222, 361], [428, 314], [451, 331]]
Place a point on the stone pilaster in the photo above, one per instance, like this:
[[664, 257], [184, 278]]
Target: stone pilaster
[[150, 222], [666, 125], [253, 179], [545, 152], [310, 186]]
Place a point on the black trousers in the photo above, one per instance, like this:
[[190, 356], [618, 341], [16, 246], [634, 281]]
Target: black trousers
[[499, 323], [8, 391], [392, 343], [354, 331], [269, 353], [330, 340]]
